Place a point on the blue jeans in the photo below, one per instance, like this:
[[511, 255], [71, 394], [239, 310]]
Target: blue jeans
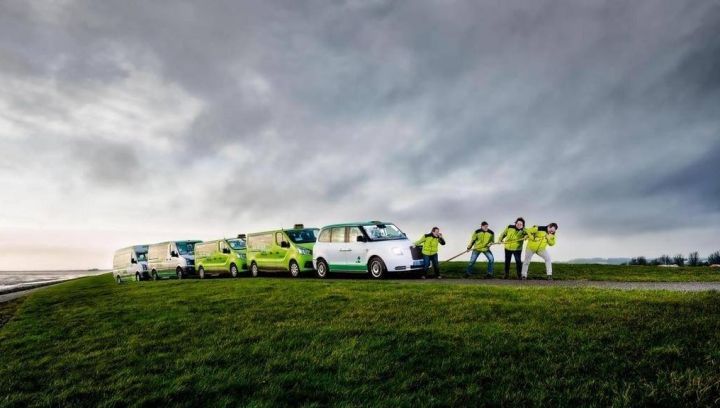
[[426, 264], [474, 257]]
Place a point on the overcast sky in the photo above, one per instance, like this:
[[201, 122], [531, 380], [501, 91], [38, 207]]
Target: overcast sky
[[126, 122]]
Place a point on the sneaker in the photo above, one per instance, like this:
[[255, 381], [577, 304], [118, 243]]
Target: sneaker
[[439, 277], [523, 278]]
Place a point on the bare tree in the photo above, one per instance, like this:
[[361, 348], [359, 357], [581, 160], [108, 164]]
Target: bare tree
[[694, 259], [641, 260], [679, 260], [714, 258], [664, 260]]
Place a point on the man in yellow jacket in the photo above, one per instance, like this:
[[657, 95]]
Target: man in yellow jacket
[[539, 238], [513, 237], [480, 242], [429, 243]]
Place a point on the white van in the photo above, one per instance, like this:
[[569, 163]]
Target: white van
[[366, 247], [173, 258], [131, 263]]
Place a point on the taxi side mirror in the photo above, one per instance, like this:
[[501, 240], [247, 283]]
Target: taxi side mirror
[[226, 250], [284, 244], [360, 238]]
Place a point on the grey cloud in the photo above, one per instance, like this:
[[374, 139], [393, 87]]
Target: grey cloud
[[603, 113]]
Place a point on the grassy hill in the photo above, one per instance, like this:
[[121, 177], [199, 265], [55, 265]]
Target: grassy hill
[[623, 273], [275, 341]]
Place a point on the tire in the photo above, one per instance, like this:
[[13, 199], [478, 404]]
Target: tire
[[376, 268], [294, 269], [178, 273], [233, 270], [322, 269], [201, 272], [118, 279], [138, 277], [154, 275], [254, 271]]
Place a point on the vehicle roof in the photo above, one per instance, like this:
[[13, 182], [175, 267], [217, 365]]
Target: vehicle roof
[[355, 224], [134, 248], [281, 229], [195, 241]]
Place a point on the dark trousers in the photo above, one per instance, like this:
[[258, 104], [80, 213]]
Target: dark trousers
[[518, 262], [426, 264]]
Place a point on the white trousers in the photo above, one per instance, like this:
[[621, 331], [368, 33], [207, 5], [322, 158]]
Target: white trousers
[[544, 255]]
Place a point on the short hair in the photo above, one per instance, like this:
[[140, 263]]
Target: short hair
[[552, 224], [484, 223], [435, 228], [520, 219]]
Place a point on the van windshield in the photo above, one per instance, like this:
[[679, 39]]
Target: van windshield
[[303, 236], [383, 232], [142, 257], [185, 248], [237, 244]]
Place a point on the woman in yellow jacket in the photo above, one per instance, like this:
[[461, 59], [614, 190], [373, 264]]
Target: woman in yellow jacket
[[539, 238]]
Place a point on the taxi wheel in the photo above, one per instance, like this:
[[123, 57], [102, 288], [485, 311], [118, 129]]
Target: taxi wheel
[[118, 279], [138, 278], [376, 267], [254, 270], [322, 269], [233, 271], [179, 273], [154, 275], [294, 269], [201, 272]]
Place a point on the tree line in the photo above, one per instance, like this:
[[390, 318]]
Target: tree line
[[693, 259]]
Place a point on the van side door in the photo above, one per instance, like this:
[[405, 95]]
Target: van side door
[[356, 251], [223, 256], [280, 253]]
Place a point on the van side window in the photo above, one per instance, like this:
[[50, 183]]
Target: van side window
[[354, 233], [279, 237], [324, 236], [338, 234]]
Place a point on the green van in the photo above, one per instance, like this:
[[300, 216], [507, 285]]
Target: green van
[[221, 257], [282, 250]]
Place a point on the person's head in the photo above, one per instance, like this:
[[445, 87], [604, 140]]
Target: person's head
[[484, 226], [435, 231], [552, 227], [520, 223]]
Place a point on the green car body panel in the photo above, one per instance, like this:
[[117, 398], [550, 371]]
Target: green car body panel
[[274, 251], [217, 257]]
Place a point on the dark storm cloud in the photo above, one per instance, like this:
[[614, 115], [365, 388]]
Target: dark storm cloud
[[605, 113]]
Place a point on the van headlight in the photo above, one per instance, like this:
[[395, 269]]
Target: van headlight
[[304, 251], [397, 251]]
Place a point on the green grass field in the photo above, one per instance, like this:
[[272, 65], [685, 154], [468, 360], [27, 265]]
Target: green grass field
[[278, 341]]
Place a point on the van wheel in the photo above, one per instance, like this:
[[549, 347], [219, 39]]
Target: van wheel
[[233, 271], [154, 275], [294, 269], [322, 269], [201, 272], [254, 270], [179, 273], [118, 279], [376, 267], [138, 278]]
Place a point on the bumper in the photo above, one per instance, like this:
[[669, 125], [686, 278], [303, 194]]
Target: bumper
[[406, 266]]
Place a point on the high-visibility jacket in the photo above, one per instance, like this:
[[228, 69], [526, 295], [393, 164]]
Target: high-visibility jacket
[[538, 238], [429, 244], [480, 240], [511, 233]]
